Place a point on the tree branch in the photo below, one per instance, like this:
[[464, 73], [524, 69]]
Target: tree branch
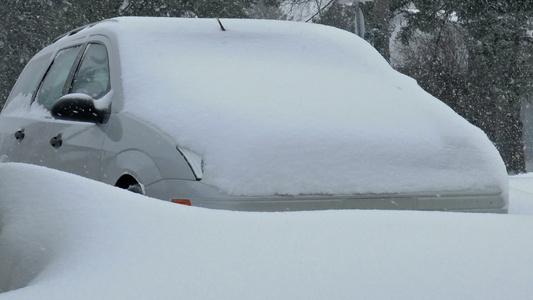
[[320, 9]]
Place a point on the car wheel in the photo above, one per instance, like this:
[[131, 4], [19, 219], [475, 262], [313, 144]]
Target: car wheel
[[136, 188], [129, 183]]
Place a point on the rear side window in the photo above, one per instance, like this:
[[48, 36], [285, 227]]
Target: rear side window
[[92, 77], [27, 82], [52, 86]]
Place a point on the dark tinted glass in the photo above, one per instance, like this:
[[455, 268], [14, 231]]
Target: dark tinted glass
[[92, 78], [52, 86]]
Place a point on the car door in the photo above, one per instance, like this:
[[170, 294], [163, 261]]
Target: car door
[[76, 145], [25, 125]]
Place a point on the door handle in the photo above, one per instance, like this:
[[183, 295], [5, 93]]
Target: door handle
[[19, 134], [56, 141]]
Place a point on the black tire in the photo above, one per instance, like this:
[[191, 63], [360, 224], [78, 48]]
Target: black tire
[[135, 188]]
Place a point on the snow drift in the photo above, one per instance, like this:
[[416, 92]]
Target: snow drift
[[67, 237]]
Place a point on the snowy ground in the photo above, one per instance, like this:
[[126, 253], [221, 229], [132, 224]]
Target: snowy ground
[[66, 237]]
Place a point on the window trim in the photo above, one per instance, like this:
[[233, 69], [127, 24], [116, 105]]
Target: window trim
[[74, 69], [67, 87], [76, 61]]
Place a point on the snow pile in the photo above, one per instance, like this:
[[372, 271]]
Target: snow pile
[[292, 108], [67, 237], [521, 191]]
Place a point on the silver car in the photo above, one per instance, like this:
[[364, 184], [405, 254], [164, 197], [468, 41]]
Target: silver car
[[245, 115]]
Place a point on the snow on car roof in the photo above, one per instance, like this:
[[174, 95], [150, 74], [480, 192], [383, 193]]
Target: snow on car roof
[[278, 107]]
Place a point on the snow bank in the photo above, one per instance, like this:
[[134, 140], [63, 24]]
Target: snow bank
[[67, 237], [289, 108], [521, 191]]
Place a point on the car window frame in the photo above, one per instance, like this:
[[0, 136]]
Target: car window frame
[[67, 87], [69, 84], [23, 84], [71, 71]]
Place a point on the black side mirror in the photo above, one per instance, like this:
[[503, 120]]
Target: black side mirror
[[78, 107]]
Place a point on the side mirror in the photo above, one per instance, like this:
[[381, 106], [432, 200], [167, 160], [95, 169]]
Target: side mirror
[[78, 107]]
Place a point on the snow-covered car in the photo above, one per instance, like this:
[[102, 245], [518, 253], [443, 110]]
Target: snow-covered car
[[246, 115]]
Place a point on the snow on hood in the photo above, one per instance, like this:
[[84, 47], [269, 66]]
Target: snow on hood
[[279, 107]]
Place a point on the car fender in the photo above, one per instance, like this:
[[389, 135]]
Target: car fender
[[132, 146], [135, 163]]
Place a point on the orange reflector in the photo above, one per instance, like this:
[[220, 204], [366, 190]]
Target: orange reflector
[[182, 201]]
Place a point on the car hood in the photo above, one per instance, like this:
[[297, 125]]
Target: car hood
[[289, 108]]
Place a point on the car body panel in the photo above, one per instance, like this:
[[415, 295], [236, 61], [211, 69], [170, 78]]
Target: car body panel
[[34, 132], [155, 155], [80, 150]]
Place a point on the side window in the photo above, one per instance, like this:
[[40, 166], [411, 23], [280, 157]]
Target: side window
[[92, 77], [51, 88], [28, 82]]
